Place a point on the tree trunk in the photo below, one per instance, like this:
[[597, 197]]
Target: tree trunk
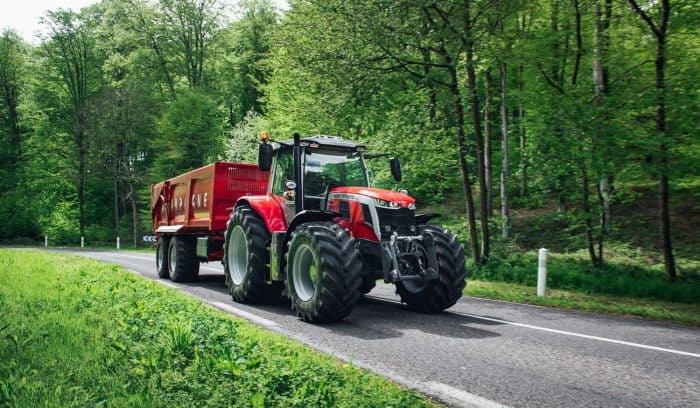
[[665, 218], [116, 203], [134, 216], [521, 124], [487, 143], [504, 147], [579, 43], [461, 150], [478, 138], [81, 177], [600, 82], [587, 215], [660, 32]]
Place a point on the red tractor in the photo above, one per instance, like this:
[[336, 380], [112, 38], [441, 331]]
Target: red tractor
[[320, 231]]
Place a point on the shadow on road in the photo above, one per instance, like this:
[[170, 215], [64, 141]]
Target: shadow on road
[[375, 318]]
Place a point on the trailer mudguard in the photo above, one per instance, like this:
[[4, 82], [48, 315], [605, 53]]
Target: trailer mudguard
[[269, 208]]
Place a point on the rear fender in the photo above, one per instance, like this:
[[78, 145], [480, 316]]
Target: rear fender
[[269, 209]]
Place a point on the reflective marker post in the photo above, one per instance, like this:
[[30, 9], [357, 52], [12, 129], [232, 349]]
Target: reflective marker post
[[117, 243], [46, 240], [542, 272], [82, 242]]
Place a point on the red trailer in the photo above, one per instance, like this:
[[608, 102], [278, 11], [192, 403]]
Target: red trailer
[[190, 213]]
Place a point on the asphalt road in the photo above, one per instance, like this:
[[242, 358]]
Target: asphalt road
[[485, 353]]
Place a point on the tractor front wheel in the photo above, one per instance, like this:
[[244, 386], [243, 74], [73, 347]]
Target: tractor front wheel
[[323, 272], [435, 295]]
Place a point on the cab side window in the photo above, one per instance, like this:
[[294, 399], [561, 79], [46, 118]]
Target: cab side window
[[283, 172]]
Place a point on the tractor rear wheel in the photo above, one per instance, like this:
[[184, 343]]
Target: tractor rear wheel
[[323, 272], [246, 258], [435, 295], [183, 265], [162, 256]]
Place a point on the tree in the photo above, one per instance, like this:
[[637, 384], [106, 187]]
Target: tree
[[660, 32], [70, 51], [189, 132]]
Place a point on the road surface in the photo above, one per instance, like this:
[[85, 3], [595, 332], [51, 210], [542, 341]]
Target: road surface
[[485, 353]]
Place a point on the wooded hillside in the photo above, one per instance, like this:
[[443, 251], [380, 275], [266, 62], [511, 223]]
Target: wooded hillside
[[573, 111]]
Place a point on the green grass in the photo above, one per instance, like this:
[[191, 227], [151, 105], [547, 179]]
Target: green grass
[[574, 272], [77, 332], [644, 308]]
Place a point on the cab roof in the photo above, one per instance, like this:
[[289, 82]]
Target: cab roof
[[331, 142]]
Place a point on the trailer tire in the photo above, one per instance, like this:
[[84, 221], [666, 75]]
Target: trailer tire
[[439, 294], [246, 258], [162, 256], [183, 264], [323, 272]]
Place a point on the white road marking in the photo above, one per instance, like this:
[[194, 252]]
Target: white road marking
[[166, 283], [209, 268], [459, 397], [121, 255], [242, 313], [566, 333]]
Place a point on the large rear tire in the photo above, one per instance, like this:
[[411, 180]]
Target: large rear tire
[[183, 265], [162, 256], [246, 258], [323, 272], [438, 294]]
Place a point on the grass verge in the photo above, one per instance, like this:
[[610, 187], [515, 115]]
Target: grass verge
[[77, 332], [645, 308]]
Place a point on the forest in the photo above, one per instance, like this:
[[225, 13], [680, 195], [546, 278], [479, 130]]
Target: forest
[[568, 124]]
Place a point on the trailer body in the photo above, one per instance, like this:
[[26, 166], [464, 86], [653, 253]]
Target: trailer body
[[198, 204]]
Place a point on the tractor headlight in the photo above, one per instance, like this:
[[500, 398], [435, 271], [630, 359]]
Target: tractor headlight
[[386, 204], [412, 206]]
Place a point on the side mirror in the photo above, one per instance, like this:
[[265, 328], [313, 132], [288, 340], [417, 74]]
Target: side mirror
[[265, 157], [395, 168]]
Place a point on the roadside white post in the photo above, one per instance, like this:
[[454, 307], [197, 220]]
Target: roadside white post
[[542, 272], [46, 240], [117, 243], [82, 242]]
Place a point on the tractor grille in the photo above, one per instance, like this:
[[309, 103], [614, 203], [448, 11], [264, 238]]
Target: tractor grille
[[399, 220]]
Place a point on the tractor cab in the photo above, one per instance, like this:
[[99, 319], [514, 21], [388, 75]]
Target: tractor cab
[[325, 162]]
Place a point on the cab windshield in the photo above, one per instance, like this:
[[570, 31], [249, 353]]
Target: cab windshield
[[325, 169]]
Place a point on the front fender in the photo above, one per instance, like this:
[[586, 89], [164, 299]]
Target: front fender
[[269, 209]]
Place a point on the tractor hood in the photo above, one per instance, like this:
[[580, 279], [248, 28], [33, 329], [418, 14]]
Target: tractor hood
[[403, 200]]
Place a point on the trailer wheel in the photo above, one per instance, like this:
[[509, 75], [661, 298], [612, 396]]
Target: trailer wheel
[[323, 272], [438, 294], [162, 256], [183, 264], [246, 258]]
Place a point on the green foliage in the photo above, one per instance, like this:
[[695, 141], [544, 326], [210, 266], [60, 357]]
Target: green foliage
[[189, 131], [241, 145], [75, 332]]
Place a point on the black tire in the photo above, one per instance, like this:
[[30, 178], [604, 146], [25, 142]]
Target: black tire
[[246, 275], [329, 251], [185, 267], [162, 256], [439, 294]]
